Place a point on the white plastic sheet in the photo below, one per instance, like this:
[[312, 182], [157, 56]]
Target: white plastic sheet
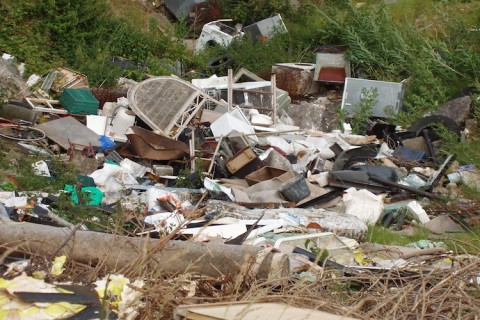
[[363, 204]]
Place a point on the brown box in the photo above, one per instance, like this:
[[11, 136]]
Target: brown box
[[267, 173], [241, 159]]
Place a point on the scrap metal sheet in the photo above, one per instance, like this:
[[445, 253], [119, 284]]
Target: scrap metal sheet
[[149, 145], [63, 130]]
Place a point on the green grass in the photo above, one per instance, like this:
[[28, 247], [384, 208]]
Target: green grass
[[468, 242], [381, 235], [18, 163]]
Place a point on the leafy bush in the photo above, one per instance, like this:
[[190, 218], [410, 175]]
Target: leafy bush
[[83, 35], [250, 11], [364, 110], [437, 65]]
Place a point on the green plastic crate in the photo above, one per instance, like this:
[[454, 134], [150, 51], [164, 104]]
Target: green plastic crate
[[79, 101]]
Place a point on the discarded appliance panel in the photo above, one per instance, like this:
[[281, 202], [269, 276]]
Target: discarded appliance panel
[[389, 96], [266, 29], [233, 122], [217, 33], [332, 67]]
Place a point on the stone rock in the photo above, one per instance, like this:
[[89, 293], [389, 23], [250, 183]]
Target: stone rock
[[457, 109], [12, 86], [315, 115], [443, 224]]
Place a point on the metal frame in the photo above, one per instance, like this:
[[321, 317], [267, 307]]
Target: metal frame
[[273, 93], [46, 102]]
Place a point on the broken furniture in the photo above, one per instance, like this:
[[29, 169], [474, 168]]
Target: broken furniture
[[266, 173], [62, 78], [167, 104], [244, 75], [46, 105], [257, 95], [243, 163]]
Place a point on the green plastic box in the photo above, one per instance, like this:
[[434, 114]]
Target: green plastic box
[[79, 101]]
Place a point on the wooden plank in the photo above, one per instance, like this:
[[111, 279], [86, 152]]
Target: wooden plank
[[251, 311]]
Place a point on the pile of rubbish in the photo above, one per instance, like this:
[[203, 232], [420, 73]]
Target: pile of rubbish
[[238, 178]]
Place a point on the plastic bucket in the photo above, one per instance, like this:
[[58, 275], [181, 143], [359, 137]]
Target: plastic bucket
[[295, 190]]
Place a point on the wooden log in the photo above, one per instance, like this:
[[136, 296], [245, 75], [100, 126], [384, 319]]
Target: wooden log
[[116, 252]]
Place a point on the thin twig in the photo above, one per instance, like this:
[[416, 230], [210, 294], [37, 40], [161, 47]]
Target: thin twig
[[64, 243]]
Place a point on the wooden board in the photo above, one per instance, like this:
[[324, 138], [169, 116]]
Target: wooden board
[[251, 311]]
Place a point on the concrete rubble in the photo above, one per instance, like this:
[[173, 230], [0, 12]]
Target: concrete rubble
[[234, 168]]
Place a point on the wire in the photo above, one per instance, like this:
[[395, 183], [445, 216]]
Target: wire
[[21, 132]]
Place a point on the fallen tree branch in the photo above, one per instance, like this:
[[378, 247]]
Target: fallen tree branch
[[115, 252]]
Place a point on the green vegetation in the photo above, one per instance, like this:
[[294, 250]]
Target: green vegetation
[[381, 235], [83, 36], [19, 168], [468, 242], [247, 12], [367, 102], [437, 50], [433, 44]]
